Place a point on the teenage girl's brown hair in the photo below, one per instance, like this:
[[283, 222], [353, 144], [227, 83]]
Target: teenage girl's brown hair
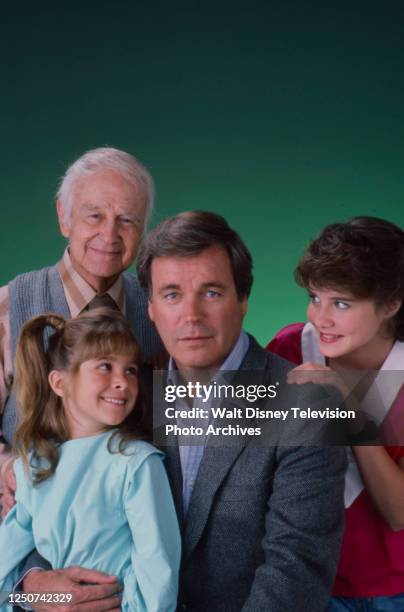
[[43, 425], [364, 256]]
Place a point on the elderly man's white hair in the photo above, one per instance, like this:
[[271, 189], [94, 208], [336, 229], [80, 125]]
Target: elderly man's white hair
[[106, 158]]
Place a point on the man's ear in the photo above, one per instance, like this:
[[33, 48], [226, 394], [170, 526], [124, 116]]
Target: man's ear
[[244, 306], [64, 227], [56, 381]]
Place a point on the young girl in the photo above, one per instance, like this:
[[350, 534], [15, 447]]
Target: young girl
[[89, 492], [354, 273]]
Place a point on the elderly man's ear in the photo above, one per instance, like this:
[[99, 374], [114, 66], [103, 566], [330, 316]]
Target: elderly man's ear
[[64, 227]]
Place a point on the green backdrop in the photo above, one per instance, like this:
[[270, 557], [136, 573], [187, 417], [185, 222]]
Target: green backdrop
[[283, 116]]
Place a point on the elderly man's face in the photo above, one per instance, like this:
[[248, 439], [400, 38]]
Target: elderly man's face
[[105, 228], [195, 307]]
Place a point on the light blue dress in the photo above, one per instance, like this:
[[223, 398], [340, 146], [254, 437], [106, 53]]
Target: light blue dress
[[111, 512]]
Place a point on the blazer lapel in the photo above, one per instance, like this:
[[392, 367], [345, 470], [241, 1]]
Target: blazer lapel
[[215, 464], [218, 459]]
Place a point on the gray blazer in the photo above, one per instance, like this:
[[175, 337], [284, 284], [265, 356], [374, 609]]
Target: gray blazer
[[264, 524]]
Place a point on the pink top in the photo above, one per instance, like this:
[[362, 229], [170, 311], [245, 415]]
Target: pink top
[[372, 554]]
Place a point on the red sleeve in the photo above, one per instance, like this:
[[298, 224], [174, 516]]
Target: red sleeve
[[287, 343], [395, 452], [392, 428]]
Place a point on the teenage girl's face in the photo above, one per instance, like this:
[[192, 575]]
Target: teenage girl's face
[[353, 331], [100, 395]]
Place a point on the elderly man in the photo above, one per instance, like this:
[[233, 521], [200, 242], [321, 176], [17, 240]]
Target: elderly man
[[103, 204], [261, 523]]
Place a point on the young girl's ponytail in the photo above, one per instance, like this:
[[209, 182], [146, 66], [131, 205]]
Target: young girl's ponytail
[[43, 425], [42, 422]]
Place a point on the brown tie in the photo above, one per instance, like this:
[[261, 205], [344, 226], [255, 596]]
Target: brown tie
[[102, 300]]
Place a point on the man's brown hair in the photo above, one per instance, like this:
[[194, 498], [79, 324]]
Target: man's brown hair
[[187, 235]]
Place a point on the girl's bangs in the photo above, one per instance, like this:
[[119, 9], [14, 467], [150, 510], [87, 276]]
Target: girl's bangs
[[97, 345]]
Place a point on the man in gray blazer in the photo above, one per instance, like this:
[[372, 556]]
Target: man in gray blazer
[[262, 524]]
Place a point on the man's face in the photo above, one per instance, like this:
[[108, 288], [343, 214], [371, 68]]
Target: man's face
[[105, 228], [195, 307]]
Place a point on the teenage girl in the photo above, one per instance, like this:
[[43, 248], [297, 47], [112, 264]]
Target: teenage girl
[[354, 275], [90, 492]]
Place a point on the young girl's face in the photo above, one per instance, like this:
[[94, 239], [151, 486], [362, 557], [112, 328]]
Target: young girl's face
[[348, 327], [100, 395]]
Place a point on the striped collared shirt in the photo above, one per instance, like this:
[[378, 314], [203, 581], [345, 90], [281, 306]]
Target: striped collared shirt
[[191, 456]]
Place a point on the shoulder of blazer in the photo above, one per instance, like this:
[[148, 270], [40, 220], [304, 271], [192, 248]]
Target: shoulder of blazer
[[257, 358]]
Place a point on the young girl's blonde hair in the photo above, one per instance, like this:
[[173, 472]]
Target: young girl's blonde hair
[[43, 426]]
